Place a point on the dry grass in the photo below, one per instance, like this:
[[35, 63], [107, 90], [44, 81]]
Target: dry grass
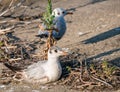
[[77, 72]]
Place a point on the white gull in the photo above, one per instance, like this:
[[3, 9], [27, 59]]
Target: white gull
[[43, 71]]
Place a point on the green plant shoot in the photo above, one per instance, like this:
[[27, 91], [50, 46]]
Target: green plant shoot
[[107, 69], [47, 16]]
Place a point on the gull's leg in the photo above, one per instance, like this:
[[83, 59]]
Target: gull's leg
[[54, 42]]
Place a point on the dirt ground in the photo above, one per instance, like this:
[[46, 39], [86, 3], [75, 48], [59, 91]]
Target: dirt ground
[[97, 20]]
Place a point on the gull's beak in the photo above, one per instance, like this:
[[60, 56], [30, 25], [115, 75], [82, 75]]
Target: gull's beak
[[69, 13], [64, 53]]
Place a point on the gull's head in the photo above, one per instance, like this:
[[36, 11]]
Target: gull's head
[[56, 52], [60, 12]]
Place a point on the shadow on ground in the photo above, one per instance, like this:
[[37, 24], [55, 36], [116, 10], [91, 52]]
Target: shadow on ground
[[103, 36], [103, 54], [116, 61], [80, 6], [96, 1], [10, 35]]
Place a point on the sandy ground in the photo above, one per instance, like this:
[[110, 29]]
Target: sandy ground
[[98, 21]]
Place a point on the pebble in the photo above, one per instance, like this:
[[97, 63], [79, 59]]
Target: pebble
[[2, 86], [35, 91]]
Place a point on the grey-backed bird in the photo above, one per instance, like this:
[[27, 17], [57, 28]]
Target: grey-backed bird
[[59, 24]]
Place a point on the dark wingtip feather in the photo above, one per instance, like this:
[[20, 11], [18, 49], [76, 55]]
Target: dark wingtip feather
[[13, 68]]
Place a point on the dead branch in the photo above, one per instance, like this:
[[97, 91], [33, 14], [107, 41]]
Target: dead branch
[[22, 54], [15, 59], [11, 3], [7, 30], [102, 81], [10, 21], [23, 22], [9, 47], [10, 8], [84, 85]]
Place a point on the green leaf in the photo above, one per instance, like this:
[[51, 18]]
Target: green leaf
[[47, 16], [1, 44]]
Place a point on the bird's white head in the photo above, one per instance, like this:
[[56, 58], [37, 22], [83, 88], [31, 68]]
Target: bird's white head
[[59, 12], [55, 52]]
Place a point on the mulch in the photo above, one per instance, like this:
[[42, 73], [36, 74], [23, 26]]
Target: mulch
[[78, 73]]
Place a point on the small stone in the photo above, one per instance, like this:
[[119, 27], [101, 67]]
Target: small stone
[[2, 86]]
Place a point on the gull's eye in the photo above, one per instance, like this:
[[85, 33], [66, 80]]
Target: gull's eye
[[50, 51], [63, 12], [56, 50], [58, 13]]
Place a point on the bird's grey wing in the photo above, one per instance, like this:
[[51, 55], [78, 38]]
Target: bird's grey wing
[[35, 71], [59, 23]]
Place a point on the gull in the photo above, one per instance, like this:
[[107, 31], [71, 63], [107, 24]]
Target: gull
[[43, 71], [59, 24]]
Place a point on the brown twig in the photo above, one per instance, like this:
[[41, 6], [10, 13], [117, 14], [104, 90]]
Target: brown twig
[[11, 7], [9, 47], [15, 59], [84, 85], [7, 8], [102, 81], [22, 54], [7, 30], [18, 21]]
